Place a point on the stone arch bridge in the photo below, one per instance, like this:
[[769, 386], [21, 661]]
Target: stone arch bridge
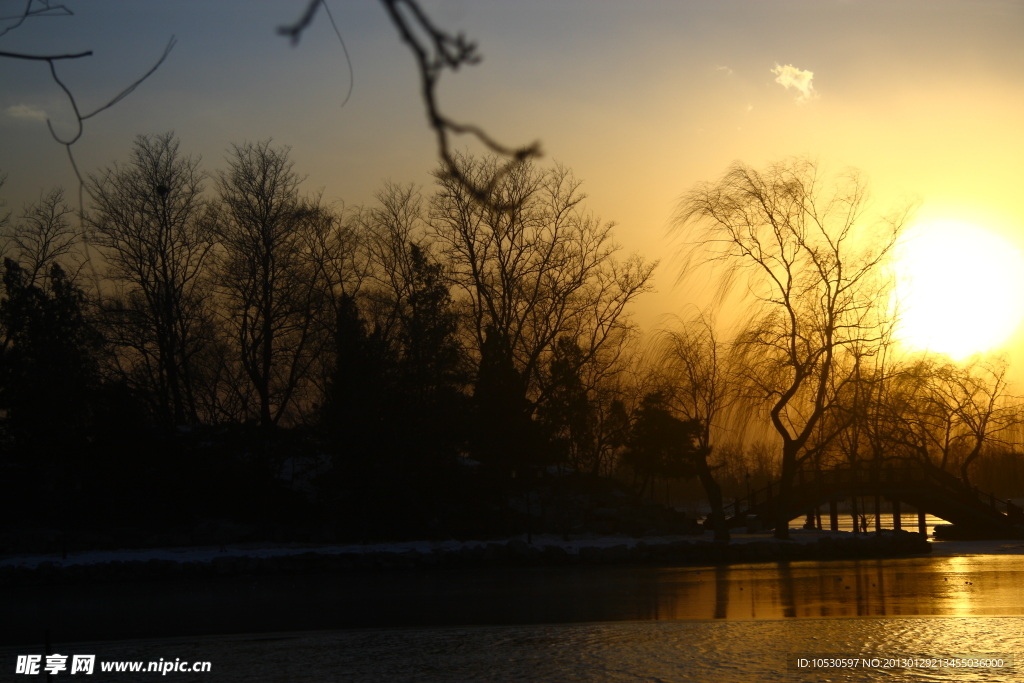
[[928, 490]]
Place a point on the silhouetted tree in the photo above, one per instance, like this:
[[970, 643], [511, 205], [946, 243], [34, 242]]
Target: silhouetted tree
[[429, 411], [354, 402], [5, 217], [338, 251], [432, 359], [43, 235], [583, 411], [932, 410], [816, 273], [147, 217], [49, 376], [389, 228], [504, 437], [396, 408], [355, 418], [543, 271], [973, 410], [702, 386], [660, 444], [268, 274], [567, 413]]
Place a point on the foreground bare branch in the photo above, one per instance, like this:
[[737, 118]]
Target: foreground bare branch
[[436, 51]]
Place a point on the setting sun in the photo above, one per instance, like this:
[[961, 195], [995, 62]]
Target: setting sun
[[960, 289]]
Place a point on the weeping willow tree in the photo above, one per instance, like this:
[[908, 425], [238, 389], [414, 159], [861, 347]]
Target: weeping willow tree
[[814, 267]]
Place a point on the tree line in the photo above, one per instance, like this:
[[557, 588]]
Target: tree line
[[198, 344], [407, 341]]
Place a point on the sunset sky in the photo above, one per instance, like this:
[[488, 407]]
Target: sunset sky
[[641, 99]]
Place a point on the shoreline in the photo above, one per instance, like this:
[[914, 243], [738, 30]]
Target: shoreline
[[206, 553], [255, 558], [546, 550]]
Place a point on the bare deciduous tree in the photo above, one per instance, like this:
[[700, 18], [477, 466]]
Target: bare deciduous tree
[[543, 271], [941, 413], [43, 235], [389, 228], [814, 270], [341, 263], [960, 410], [147, 217], [703, 387], [268, 276]]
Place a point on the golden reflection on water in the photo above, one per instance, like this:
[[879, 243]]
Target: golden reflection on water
[[937, 586]]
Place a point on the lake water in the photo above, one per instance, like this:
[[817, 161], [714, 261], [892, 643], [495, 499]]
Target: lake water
[[736, 623]]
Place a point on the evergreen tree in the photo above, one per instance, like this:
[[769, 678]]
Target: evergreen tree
[[432, 359], [660, 444], [49, 375], [505, 438], [353, 411], [49, 363], [431, 370], [567, 413]]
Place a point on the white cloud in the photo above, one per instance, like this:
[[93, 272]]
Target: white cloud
[[26, 111], [791, 77], [727, 70]]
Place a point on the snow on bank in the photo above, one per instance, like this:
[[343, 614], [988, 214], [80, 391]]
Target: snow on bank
[[573, 546]]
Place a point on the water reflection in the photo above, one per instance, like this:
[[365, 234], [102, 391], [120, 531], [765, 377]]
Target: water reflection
[[941, 586], [721, 592], [981, 585]]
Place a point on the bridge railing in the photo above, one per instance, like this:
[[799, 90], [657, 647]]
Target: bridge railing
[[869, 478]]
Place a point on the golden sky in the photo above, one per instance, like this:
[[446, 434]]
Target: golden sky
[[641, 99]]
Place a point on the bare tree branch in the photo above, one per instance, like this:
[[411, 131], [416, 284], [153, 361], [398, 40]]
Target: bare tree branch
[[44, 58], [45, 9], [80, 118], [294, 32], [437, 51]]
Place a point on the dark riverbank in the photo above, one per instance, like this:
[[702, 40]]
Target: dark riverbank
[[114, 568]]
